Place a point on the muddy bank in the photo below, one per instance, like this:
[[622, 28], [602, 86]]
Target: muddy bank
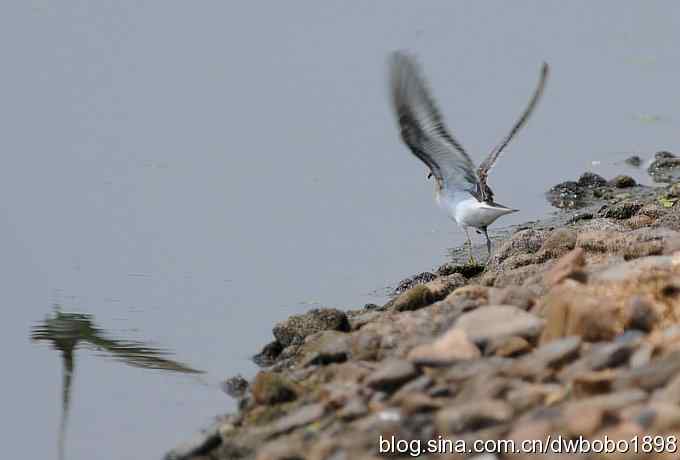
[[572, 328]]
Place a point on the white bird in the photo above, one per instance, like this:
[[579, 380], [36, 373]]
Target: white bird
[[460, 190]]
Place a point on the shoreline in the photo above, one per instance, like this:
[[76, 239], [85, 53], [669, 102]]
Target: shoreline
[[572, 328]]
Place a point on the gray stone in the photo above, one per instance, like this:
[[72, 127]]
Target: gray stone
[[551, 355], [473, 416], [516, 296], [634, 160], [591, 179], [642, 356], [300, 417], [236, 386], [391, 375], [492, 322], [652, 375], [613, 401]]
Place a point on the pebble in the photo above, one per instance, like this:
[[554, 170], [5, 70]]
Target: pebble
[[236, 386]]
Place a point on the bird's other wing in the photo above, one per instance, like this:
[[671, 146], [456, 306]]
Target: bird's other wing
[[422, 127], [489, 161]]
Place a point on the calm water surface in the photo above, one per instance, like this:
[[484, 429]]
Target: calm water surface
[[178, 176]]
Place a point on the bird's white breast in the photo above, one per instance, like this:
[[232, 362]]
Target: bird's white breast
[[467, 211]]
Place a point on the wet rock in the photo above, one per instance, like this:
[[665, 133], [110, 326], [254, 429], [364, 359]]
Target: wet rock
[[570, 266], [236, 386], [634, 160], [516, 296], [493, 322], [591, 179], [426, 294], [622, 210], [665, 167], [468, 270], [391, 375], [294, 329], [421, 278], [623, 181], [450, 348], [567, 195], [473, 416], [269, 354], [663, 155], [273, 388]]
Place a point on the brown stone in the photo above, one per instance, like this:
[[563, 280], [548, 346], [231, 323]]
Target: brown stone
[[580, 420], [517, 296], [569, 266], [508, 346], [451, 347], [558, 242], [573, 311]]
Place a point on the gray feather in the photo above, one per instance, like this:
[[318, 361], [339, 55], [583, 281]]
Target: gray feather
[[422, 127], [490, 161]]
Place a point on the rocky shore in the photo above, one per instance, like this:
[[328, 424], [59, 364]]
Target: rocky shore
[[572, 328]]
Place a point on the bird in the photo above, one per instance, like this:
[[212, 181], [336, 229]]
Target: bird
[[461, 190]]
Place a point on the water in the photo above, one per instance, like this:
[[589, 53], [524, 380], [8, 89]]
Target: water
[[186, 175]]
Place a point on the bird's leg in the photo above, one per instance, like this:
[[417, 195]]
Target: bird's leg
[[471, 260], [488, 241]]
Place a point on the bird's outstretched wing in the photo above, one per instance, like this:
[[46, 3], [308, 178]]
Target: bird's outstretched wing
[[487, 164], [422, 127]]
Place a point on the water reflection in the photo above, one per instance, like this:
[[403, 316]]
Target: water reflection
[[67, 331]]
